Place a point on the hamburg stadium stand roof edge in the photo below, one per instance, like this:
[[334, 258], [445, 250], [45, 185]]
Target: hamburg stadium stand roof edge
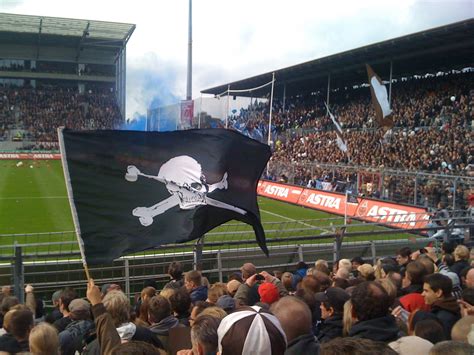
[[83, 38], [441, 48]]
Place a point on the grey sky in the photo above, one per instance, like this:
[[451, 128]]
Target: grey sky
[[236, 39]]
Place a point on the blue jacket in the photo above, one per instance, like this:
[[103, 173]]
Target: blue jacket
[[199, 294]]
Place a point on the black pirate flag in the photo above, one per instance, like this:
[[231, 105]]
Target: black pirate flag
[[131, 191]]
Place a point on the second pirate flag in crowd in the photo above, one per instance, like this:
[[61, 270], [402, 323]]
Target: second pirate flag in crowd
[[131, 191]]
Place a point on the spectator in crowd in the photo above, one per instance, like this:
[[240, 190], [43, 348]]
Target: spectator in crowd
[[232, 287], [44, 340], [356, 262], [268, 293], [197, 310], [332, 309], [462, 328], [287, 281], [143, 304], [193, 283], [18, 331], [175, 271], [461, 259], [470, 278], [116, 306], [66, 297], [227, 303], [204, 335], [431, 330], [298, 334], [160, 318], [265, 338], [247, 293], [55, 313], [437, 290], [370, 308], [72, 337], [366, 272], [355, 346], [180, 302], [300, 272], [215, 291], [403, 258], [452, 348]]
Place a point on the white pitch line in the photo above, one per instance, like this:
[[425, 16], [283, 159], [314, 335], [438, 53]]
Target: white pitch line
[[294, 220]]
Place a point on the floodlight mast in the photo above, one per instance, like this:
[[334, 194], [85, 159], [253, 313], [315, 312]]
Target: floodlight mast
[[189, 94]]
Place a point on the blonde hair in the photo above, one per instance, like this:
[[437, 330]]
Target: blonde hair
[[345, 263], [461, 253], [213, 311], [167, 292], [347, 318], [44, 340], [217, 290], [118, 306]]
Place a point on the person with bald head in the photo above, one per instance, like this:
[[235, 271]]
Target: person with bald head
[[470, 278], [295, 319]]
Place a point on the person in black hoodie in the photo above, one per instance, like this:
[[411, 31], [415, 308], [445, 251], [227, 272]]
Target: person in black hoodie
[[19, 323], [437, 291], [332, 308], [295, 319], [370, 309]]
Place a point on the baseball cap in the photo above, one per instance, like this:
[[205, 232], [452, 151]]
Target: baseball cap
[[335, 296], [79, 305], [268, 293], [226, 302]]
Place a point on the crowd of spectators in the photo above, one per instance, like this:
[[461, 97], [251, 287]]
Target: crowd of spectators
[[418, 302], [38, 112]]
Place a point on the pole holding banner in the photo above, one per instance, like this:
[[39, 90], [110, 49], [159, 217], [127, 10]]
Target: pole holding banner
[[70, 196], [271, 110]]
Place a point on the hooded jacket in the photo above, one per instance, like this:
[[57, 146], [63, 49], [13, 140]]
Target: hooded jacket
[[70, 339], [162, 329], [199, 294], [304, 344], [379, 329], [330, 328], [9, 344], [448, 312]]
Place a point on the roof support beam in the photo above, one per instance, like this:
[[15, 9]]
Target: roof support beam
[[39, 38], [85, 33]]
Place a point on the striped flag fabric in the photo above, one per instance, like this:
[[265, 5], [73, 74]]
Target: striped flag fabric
[[339, 140]]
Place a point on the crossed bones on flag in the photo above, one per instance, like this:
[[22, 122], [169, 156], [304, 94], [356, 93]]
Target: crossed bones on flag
[[184, 180]]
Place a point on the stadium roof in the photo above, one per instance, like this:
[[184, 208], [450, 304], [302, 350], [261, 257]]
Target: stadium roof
[[437, 49], [86, 38]]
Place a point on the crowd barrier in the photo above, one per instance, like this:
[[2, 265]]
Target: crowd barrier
[[365, 209]]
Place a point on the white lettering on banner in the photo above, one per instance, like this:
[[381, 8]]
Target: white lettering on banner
[[324, 201], [392, 215], [10, 156], [276, 191], [43, 156]]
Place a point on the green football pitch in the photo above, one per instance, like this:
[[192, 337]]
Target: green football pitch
[[33, 199]]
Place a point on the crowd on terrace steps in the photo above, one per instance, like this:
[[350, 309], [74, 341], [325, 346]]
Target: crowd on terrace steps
[[416, 302]]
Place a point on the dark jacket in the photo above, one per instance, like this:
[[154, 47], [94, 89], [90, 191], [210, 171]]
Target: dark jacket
[[304, 344], [459, 266], [174, 284], [9, 344], [162, 329], [448, 312], [53, 316], [298, 276], [62, 323], [330, 328], [379, 329], [199, 294], [71, 338]]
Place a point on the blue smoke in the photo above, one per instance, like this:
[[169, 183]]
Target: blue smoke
[[151, 86]]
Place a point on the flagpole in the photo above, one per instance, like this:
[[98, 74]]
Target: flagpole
[[227, 108], [345, 210], [271, 110], [70, 196]]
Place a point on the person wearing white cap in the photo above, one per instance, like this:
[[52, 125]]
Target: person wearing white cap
[[251, 331]]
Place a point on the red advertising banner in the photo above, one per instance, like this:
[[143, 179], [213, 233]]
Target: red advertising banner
[[29, 156], [280, 192], [388, 213]]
